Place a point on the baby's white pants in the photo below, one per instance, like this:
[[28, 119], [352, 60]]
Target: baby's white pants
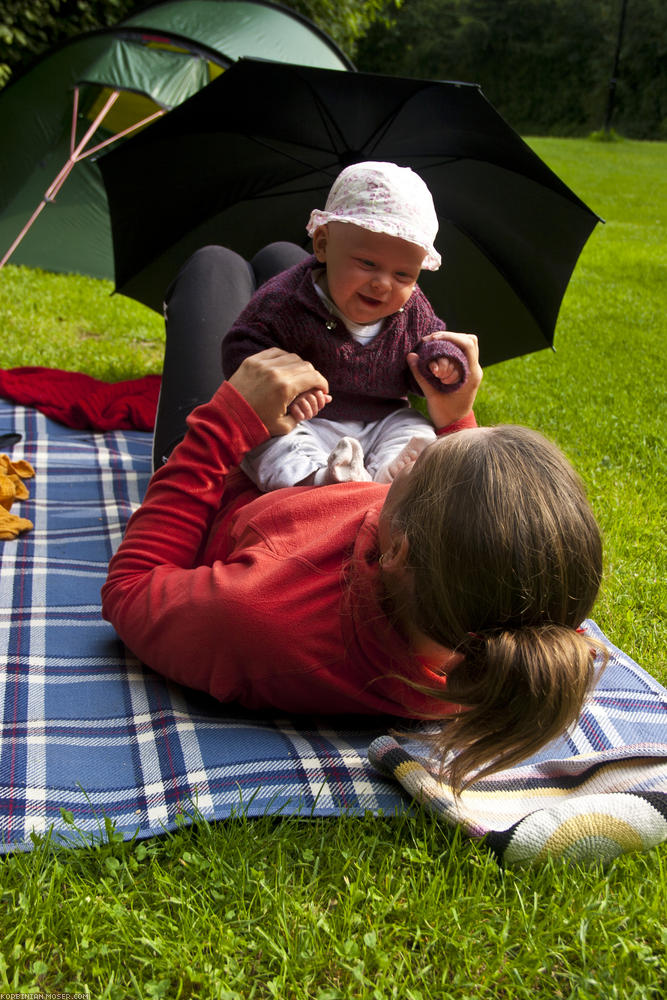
[[288, 460]]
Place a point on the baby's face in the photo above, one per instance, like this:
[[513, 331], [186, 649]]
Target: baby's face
[[370, 275]]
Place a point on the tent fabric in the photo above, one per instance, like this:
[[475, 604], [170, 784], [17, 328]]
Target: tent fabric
[[245, 28], [156, 58], [168, 78]]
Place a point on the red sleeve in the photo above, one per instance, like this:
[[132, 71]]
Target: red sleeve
[[459, 425], [159, 604]]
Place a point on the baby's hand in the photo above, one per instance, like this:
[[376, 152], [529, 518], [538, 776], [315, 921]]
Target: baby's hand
[[445, 370], [307, 404], [441, 362]]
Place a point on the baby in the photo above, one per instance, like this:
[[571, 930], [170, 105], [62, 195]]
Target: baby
[[353, 310]]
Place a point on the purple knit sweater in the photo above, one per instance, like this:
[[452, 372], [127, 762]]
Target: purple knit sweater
[[367, 382]]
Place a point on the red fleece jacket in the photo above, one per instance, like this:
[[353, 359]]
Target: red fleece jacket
[[273, 600]]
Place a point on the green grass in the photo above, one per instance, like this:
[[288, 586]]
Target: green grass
[[74, 322], [331, 910], [394, 907]]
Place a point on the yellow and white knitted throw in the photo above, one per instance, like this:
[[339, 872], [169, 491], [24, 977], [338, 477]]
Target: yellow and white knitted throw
[[599, 792]]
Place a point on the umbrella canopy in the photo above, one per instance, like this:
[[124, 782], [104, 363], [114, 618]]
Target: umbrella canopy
[[243, 162]]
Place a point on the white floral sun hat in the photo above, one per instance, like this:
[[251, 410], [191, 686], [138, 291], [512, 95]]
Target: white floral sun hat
[[383, 198]]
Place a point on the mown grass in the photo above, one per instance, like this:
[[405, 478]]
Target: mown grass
[[398, 906], [74, 322], [334, 909]]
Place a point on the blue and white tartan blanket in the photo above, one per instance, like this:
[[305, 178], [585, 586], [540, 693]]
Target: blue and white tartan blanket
[[90, 739]]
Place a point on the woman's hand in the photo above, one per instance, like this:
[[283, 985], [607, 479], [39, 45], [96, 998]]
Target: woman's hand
[[444, 409], [271, 380]]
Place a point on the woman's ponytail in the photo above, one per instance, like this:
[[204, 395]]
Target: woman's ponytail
[[518, 689], [506, 562]]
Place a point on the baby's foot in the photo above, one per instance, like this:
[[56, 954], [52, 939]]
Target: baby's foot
[[346, 463], [405, 459]]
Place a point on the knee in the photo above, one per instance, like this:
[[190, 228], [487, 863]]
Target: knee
[[213, 259], [207, 268], [284, 247], [274, 258]]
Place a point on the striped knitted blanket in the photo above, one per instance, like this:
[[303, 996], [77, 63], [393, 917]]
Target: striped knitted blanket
[[598, 792], [91, 741]]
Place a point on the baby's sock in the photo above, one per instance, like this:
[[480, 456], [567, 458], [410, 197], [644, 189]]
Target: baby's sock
[[346, 463]]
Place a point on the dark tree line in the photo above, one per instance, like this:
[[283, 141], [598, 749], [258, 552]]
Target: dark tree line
[[30, 27], [546, 65]]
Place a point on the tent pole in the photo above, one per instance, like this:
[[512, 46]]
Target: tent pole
[[63, 174], [22, 233], [75, 155], [121, 135], [75, 115]]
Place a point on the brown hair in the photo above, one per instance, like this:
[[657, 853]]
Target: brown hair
[[506, 558]]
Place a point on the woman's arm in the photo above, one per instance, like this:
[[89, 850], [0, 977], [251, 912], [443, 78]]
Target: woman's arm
[[158, 602]]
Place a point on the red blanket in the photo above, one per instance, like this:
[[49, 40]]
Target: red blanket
[[83, 402]]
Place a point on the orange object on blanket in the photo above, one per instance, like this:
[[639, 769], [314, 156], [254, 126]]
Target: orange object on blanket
[[84, 402], [12, 488], [11, 525]]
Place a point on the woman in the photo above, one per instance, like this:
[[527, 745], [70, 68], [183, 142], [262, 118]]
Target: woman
[[453, 594]]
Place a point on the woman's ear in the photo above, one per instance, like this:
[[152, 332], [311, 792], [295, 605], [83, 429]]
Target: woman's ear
[[395, 558], [320, 241]]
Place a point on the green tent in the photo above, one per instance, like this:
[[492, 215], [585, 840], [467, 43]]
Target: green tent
[[105, 85]]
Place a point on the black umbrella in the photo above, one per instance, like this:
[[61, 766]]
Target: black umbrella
[[243, 162]]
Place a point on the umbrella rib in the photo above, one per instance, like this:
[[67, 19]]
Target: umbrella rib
[[332, 129], [381, 130], [441, 162], [378, 135], [302, 190], [502, 271], [334, 134], [291, 156]]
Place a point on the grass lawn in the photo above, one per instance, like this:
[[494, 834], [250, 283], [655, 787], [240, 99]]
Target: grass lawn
[[393, 907]]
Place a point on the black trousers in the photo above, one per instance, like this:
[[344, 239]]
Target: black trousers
[[201, 304]]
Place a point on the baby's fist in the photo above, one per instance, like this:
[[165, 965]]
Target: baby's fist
[[442, 364]]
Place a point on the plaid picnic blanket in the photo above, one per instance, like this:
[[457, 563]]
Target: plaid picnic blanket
[[91, 740]]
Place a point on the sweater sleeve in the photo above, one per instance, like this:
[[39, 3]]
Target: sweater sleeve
[[159, 601], [423, 321], [250, 334], [269, 320]]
